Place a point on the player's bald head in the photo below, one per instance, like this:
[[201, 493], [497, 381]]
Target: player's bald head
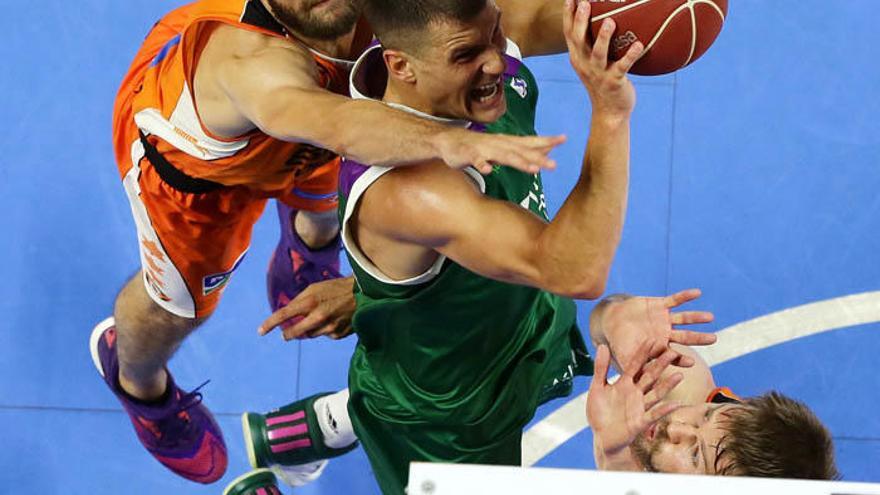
[[403, 24]]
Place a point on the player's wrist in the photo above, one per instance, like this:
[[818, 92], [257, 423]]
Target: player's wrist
[[443, 145], [598, 317], [610, 118], [620, 460], [611, 449]]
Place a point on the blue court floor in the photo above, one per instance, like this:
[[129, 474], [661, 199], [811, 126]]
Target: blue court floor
[[755, 176]]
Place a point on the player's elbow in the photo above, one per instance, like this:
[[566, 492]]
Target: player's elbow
[[588, 287], [590, 290], [573, 278]]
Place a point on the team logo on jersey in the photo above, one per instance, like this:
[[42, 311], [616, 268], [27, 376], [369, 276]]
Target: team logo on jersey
[[534, 200], [217, 281], [520, 86]]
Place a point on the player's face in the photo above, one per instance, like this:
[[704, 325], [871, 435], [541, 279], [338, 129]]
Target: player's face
[[459, 71], [686, 441], [317, 19]]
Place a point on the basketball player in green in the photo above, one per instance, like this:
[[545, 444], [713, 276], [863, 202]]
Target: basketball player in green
[[465, 314]]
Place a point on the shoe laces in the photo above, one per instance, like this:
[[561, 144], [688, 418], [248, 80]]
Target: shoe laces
[[177, 427]]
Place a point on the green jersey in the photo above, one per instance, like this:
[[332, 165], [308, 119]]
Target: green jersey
[[451, 348]]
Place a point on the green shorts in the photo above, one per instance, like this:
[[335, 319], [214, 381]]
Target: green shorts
[[392, 437]]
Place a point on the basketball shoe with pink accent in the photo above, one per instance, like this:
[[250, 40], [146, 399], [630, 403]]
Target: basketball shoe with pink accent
[[179, 432], [289, 441], [258, 482], [294, 266]]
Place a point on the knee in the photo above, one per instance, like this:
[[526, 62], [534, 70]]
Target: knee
[[135, 308], [316, 229]]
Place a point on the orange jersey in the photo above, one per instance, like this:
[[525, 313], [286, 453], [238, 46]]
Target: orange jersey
[[722, 395], [156, 97]]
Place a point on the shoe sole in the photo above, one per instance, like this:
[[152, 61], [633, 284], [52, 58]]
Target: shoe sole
[[95, 337], [234, 484], [249, 441], [298, 479]]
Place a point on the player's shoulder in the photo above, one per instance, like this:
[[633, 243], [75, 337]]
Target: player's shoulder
[[429, 179], [246, 44], [420, 191], [257, 59]]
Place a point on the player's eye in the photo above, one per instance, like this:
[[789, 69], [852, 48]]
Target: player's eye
[[708, 414], [466, 56]]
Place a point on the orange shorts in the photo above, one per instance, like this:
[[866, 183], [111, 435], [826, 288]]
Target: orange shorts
[[191, 243]]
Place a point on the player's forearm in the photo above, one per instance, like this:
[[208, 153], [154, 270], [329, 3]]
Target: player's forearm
[[371, 132], [578, 246], [535, 25], [377, 134]]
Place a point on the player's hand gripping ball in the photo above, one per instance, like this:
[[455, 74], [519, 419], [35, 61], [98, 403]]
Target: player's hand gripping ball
[[675, 32]]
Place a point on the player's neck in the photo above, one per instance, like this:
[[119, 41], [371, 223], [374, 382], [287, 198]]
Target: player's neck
[[340, 47], [401, 94]]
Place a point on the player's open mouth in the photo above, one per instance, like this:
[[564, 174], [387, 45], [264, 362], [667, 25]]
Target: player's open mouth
[[487, 92]]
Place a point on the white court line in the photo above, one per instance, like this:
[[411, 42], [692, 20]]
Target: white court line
[[735, 341]]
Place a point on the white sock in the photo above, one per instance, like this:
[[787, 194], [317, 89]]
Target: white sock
[[332, 411]]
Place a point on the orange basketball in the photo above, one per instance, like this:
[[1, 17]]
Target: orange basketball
[[675, 32]]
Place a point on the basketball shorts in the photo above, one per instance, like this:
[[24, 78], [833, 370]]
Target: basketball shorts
[[391, 443], [192, 243]]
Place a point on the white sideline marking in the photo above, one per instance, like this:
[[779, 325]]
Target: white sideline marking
[[734, 341]]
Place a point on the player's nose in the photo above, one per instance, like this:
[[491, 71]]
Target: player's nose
[[496, 65]]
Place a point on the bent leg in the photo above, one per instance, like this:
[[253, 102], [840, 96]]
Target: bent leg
[[309, 244], [316, 229]]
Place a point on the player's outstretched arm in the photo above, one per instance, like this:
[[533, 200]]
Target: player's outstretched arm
[[273, 86], [534, 25]]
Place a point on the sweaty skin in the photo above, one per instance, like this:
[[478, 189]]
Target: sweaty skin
[[246, 81], [535, 25]]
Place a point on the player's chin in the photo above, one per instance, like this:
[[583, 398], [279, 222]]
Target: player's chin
[[487, 113]]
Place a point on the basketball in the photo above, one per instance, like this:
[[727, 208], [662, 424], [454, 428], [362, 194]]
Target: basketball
[[675, 32]]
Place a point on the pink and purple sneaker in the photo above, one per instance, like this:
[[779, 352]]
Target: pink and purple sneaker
[[294, 266], [179, 431]]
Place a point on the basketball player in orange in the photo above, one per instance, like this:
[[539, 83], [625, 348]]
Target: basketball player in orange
[[666, 418], [228, 103]]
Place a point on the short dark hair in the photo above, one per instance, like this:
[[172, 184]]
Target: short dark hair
[[774, 436], [398, 22]]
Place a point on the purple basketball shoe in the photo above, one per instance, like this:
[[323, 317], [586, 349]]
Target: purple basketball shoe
[[180, 432], [294, 266]]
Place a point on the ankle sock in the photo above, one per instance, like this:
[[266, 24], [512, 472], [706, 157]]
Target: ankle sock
[[332, 413]]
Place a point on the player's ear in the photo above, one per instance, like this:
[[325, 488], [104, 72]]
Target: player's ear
[[399, 66]]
